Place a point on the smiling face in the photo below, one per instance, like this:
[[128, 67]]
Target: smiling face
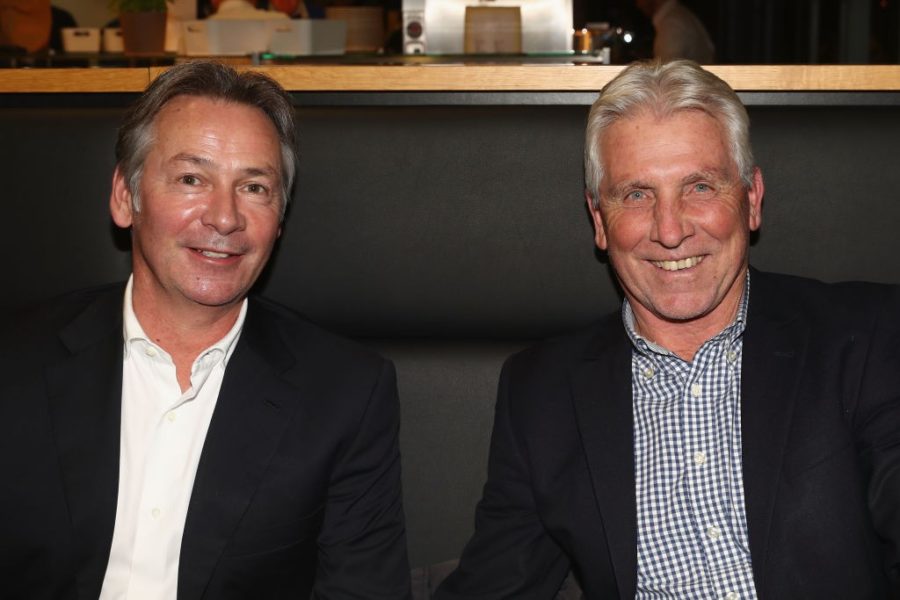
[[675, 219], [210, 205]]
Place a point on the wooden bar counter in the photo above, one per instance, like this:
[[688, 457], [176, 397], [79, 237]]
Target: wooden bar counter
[[464, 78]]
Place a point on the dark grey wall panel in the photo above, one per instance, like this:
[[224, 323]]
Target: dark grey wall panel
[[453, 222], [56, 166], [447, 393], [832, 204]]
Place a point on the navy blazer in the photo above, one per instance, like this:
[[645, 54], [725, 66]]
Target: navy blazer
[[820, 422], [298, 485]]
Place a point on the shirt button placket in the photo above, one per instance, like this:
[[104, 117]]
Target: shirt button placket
[[699, 458]]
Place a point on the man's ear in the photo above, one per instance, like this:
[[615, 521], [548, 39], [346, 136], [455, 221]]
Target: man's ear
[[755, 198], [599, 229], [120, 206]]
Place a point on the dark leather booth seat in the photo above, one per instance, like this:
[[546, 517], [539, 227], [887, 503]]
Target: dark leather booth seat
[[447, 237]]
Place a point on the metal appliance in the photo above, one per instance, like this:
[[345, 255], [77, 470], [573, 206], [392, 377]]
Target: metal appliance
[[438, 26]]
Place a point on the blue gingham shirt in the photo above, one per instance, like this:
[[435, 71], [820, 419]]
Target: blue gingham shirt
[[692, 526]]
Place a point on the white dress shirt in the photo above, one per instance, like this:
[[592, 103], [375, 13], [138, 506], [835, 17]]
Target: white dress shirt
[[162, 435]]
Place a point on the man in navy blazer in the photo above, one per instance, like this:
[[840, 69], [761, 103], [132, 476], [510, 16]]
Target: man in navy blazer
[[731, 433], [173, 437]]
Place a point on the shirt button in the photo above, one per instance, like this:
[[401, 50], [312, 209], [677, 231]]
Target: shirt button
[[170, 416], [155, 513], [713, 532], [699, 458], [695, 390], [150, 351], [731, 596], [731, 357], [648, 372]]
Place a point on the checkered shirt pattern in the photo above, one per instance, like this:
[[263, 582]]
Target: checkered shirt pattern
[[692, 525]]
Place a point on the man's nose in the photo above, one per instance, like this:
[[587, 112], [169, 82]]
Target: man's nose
[[223, 212], [670, 225]]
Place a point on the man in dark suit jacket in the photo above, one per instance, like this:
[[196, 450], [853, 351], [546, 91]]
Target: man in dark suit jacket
[[731, 434], [173, 436]]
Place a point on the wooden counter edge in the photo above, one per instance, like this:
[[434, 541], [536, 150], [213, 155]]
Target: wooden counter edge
[[73, 80], [464, 78], [576, 78]]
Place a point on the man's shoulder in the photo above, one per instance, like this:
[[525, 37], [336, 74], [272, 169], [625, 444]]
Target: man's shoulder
[[557, 355], [308, 340], [815, 298], [34, 322], [42, 333]]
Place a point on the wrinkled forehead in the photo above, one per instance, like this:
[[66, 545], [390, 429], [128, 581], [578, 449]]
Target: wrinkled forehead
[[646, 124], [190, 119], [650, 149]]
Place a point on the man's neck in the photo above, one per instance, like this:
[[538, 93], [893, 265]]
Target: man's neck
[[681, 339], [182, 329], [684, 338]]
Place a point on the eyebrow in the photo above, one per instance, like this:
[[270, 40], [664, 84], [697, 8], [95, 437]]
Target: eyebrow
[[202, 161], [619, 189], [638, 184], [712, 174], [191, 158]]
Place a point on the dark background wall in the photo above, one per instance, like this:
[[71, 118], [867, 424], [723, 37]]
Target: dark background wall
[[773, 31], [447, 237]]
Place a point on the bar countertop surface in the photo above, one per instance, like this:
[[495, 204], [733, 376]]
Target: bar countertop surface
[[462, 78]]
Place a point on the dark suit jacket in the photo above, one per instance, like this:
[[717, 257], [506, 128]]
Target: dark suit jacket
[[820, 410], [298, 485]]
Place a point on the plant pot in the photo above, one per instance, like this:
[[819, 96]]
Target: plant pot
[[143, 33]]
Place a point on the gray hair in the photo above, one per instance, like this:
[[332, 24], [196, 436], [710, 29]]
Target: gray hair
[[665, 88], [209, 80]]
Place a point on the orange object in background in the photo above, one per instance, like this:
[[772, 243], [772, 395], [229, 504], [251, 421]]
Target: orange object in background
[[288, 7], [25, 23]]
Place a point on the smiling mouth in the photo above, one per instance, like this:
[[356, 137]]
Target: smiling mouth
[[212, 253], [678, 265]]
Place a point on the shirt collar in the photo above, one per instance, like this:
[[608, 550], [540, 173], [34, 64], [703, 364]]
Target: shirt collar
[[730, 333], [134, 333]]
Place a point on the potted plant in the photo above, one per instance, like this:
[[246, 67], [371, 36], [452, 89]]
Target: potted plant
[[143, 25]]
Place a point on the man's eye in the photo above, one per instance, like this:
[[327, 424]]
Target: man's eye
[[256, 188], [701, 187], [635, 196], [189, 179]]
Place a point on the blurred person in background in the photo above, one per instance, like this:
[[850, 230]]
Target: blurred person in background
[[678, 32]]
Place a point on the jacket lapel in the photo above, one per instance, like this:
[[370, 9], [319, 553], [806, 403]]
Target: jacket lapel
[[253, 409], [84, 394], [601, 389], [775, 346]]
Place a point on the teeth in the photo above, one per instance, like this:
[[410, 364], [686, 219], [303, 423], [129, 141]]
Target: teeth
[[210, 254], [677, 265]]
